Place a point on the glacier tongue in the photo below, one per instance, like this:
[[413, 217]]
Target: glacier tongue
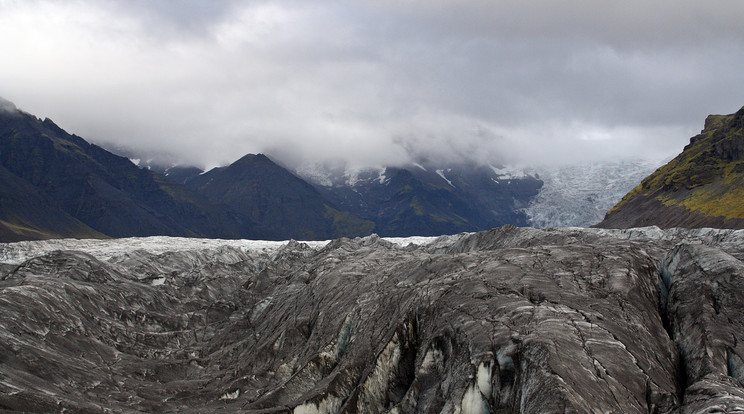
[[580, 195]]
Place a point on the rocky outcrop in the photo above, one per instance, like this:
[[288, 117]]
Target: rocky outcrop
[[702, 187], [509, 320]]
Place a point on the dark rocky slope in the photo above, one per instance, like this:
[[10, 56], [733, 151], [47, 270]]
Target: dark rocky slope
[[28, 214], [702, 187], [268, 194], [509, 320], [404, 201], [59, 185]]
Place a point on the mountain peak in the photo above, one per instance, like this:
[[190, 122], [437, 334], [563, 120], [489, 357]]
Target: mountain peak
[[713, 122], [251, 159]]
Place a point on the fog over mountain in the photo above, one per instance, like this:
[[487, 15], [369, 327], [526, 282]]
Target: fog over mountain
[[376, 82]]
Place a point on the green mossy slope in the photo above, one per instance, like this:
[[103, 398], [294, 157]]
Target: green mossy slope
[[702, 186]]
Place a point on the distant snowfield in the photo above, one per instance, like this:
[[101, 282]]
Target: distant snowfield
[[19, 252]]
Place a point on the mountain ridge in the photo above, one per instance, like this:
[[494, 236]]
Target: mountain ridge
[[104, 191], [430, 199], [91, 192]]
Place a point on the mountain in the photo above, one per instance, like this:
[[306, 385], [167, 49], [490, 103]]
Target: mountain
[[286, 205], [427, 200], [29, 214], [59, 185], [511, 320], [702, 187], [579, 195]]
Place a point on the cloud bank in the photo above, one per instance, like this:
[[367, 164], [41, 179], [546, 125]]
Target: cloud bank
[[377, 82]]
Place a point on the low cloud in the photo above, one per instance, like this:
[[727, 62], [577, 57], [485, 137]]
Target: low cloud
[[380, 82], [7, 106]]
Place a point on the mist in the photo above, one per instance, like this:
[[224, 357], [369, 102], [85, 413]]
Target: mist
[[377, 83]]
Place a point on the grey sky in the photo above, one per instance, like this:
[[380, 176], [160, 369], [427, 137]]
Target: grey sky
[[377, 82]]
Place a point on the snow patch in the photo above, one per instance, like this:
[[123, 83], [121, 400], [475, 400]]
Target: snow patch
[[381, 178], [441, 174], [420, 166], [135, 161], [351, 177], [339, 174], [231, 395], [473, 401], [330, 404], [433, 360], [483, 378], [509, 172], [159, 281], [413, 240], [475, 398], [315, 173]]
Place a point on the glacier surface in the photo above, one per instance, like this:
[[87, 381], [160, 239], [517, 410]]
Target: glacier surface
[[508, 320]]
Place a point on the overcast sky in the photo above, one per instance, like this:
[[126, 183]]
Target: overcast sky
[[377, 82]]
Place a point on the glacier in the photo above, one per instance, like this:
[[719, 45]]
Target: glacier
[[108, 249], [580, 195], [507, 320]]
